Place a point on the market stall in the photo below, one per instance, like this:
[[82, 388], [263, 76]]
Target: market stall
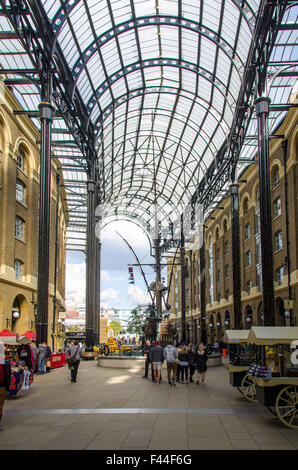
[[275, 375], [19, 353], [241, 355]]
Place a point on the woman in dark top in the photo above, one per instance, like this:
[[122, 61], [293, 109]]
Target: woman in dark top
[[201, 365], [191, 361], [183, 358]]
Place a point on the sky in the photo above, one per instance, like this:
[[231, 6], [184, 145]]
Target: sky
[[116, 292]]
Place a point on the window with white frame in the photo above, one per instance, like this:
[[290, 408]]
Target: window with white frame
[[21, 160], [248, 259], [279, 275], [18, 268], [20, 191], [20, 228], [248, 287], [278, 240], [277, 207]]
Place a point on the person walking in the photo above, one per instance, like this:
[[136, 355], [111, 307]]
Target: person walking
[[146, 351], [171, 355], [183, 358], [47, 357], [178, 374], [75, 352], [191, 361], [157, 359], [41, 356], [5, 378], [201, 365]]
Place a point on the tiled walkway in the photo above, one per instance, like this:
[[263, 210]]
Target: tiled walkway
[[117, 409]]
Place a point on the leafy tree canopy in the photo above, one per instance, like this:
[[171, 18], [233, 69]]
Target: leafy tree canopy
[[135, 323]]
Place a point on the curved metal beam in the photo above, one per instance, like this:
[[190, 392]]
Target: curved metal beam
[[204, 136], [159, 62], [65, 10], [139, 92], [157, 20]]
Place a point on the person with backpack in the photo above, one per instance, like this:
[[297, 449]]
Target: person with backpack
[[171, 355], [5, 378], [74, 353]]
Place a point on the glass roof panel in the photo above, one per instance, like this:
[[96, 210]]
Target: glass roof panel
[[159, 79]]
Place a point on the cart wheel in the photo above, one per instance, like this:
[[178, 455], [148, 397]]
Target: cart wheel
[[248, 388], [286, 406], [106, 350]]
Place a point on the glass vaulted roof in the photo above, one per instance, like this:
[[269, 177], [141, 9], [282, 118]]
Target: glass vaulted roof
[[159, 81]]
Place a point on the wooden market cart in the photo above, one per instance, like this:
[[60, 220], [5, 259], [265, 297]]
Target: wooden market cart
[[279, 393], [240, 357]]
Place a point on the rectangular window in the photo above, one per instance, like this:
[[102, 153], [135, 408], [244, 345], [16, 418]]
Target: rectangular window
[[279, 275], [248, 258], [247, 231], [248, 287], [20, 228], [20, 191], [18, 267], [227, 271], [226, 248], [278, 240], [276, 207]]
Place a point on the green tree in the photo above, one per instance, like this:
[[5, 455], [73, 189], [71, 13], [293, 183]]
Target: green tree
[[116, 326], [134, 325]]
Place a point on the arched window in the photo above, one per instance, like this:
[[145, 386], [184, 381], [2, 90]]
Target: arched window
[[21, 159], [275, 177], [225, 226], [245, 206]]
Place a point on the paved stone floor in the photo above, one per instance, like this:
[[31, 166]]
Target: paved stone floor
[[116, 409]]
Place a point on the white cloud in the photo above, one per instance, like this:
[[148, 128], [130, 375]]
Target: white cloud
[[106, 276], [128, 230], [76, 281], [109, 295], [137, 296]]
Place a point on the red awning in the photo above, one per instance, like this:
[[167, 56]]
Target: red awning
[[30, 334], [7, 333]]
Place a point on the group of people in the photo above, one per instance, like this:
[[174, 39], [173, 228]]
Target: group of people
[[42, 354], [183, 361]]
